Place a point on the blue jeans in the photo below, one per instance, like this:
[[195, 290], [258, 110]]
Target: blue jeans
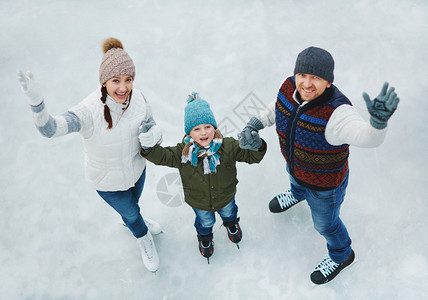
[[205, 220], [126, 204], [325, 209]]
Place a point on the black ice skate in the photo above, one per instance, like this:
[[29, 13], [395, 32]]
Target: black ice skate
[[328, 269], [206, 245], [282, 202], [234, 231]]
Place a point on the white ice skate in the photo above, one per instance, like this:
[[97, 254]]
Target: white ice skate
[[148, 252], [153, 226]]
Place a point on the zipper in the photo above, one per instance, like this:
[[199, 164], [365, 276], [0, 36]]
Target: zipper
[[294, 118], [210, 187]]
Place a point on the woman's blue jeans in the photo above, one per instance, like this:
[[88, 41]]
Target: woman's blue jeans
[[126, 204], [325, 209], [205, 220]]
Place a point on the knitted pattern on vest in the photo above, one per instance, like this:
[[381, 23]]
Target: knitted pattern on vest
[[312, 161]]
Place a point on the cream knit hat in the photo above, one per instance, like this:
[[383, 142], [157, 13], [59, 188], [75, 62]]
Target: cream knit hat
[[115, 61]]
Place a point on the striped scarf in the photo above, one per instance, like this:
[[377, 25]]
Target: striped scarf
[[211, 159]]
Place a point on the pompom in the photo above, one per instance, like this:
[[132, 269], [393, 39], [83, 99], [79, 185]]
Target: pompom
[[193, 96], [111, 43]]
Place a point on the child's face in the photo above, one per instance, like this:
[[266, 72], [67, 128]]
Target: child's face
[[203, 134]]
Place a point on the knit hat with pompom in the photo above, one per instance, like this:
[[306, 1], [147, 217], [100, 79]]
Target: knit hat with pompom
[[115, 61], [197, 112]]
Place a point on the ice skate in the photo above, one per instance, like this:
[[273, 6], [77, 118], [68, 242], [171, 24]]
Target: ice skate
[[206, 245], [148, 252], [282, 202], [234, 231], [153, 226], [327, 270]]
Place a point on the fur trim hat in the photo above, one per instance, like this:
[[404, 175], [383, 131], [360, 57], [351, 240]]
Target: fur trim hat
[[115, 61], [315, 61], [197, 112]]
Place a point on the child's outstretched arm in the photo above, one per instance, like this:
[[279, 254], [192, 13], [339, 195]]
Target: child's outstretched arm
[[251, 155]]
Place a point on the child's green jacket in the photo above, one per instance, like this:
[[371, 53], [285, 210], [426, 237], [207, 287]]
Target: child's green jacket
[[210, 192]]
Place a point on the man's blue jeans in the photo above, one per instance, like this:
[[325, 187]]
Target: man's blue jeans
[[126, 204], [325, 209], [205, 220]]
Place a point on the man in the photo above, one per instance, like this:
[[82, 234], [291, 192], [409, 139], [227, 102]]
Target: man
[[316, 124]]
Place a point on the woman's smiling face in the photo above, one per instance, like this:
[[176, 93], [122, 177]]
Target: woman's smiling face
[[119, 87]]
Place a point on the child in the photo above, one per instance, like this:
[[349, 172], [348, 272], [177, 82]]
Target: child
[[207, 165], [108, 120]]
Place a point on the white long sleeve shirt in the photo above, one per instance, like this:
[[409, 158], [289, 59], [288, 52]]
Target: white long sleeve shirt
[[345, 126]]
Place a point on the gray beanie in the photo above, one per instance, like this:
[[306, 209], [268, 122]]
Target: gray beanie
[[315, 61], [115, 61]]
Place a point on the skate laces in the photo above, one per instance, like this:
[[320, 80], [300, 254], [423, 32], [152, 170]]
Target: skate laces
[[327, 266], [147, 245], [286, 199]]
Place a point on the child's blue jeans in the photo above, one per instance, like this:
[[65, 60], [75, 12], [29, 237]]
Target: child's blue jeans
[[325, 209], [205, 220], [126, 204]]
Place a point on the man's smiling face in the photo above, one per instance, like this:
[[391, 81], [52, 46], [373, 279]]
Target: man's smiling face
[[310, 86]]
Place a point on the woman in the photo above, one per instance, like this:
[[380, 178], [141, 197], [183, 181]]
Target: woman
[[108, 120]]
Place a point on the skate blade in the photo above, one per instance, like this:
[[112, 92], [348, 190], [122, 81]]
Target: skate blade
[[157, 233]]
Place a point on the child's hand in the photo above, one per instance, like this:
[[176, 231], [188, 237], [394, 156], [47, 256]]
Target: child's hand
[[249, 137], [249, 140]]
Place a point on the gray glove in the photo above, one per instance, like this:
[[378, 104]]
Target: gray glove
[[382, 107], [30, 88], [249, 136]]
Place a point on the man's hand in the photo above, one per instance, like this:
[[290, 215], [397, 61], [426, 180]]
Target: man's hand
[[382, 107]]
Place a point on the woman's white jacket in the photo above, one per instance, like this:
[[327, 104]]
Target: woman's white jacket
[[112, 156]]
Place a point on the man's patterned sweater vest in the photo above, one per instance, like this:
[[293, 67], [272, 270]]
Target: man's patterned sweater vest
[[312, 161]]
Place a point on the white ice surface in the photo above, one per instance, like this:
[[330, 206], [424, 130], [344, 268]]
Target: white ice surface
[[59, 240]]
